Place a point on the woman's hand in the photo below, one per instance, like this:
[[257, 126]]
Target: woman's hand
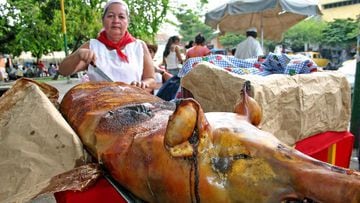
[[86, 55], [77, 61], [140, 84]]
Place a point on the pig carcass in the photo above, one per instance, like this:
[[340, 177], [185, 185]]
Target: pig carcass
[[174, 152]]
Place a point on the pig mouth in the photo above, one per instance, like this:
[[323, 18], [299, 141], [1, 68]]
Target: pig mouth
[[295, 199]]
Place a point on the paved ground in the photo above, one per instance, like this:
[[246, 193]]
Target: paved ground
[[64, 85]]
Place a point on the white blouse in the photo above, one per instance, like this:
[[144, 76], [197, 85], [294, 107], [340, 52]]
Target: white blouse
[[171, 60], [111, 64]]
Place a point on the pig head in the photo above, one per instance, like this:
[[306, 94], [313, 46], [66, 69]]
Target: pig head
[[167, 152]]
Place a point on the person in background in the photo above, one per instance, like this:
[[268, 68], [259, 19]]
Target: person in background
[[171, 56], [250, 47], [189, 45], [115, 51], [41, 68], [199, 50], [28, 72], [3, 74], [19, 71], [161, 75], [52, 69]]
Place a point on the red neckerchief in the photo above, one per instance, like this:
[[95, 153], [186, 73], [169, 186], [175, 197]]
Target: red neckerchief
[[126, 39]]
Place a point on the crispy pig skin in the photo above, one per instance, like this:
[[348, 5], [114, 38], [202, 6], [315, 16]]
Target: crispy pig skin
[[166, 154]]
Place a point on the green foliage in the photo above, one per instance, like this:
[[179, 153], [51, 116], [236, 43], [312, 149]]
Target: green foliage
[[31, 28], [36, 25], [230, 40], [341, 32], [307, 31], [83, 21], [191, 24], [146, 17], [8, 29]]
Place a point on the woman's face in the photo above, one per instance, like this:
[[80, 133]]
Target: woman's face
[[115, 21]]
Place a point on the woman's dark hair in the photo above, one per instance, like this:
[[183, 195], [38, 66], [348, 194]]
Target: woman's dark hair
[[189, 45], [152, 47], [199, 39], [171, 41]]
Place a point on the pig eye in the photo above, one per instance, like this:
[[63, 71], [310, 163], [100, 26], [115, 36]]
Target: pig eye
[[241, 156], [223, 164], [140, 109]]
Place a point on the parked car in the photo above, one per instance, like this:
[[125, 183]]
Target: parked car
[[218, 51], [318, 59]]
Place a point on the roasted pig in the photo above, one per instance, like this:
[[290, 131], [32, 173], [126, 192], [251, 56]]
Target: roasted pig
[[173, 152]]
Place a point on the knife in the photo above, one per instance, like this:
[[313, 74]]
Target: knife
[[100, 72]]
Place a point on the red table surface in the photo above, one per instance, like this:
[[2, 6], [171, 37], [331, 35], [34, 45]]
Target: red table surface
[[102, 191], [317, 146]]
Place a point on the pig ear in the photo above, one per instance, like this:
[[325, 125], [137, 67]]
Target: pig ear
[[247, 106], [182, 133]]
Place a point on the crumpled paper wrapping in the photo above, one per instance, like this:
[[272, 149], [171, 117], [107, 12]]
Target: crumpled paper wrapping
[[293, 107], [36, 143]]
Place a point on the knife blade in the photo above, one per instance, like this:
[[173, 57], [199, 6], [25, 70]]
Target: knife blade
[[100, 72]]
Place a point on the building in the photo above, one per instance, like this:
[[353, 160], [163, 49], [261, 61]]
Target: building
[[340, 9]]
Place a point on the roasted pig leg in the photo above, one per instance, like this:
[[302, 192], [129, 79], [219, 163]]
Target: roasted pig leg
[[174, 152]]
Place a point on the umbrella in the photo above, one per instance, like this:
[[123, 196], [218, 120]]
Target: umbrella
[[272, 17]]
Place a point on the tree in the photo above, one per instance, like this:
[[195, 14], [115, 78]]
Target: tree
[[83, 21], [147, 17], [230, 40], [305, 32], [35, 25], [341, 33], [33, 22], [7, 29], [190, 25]]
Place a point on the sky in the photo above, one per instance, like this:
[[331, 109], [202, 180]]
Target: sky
[[211, 5]]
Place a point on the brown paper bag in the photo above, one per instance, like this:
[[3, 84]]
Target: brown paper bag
[[36, 143]]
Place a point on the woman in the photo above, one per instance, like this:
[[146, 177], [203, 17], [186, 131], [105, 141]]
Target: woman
[[158, 71], [199, 50], [171, 55], [118, 54]]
